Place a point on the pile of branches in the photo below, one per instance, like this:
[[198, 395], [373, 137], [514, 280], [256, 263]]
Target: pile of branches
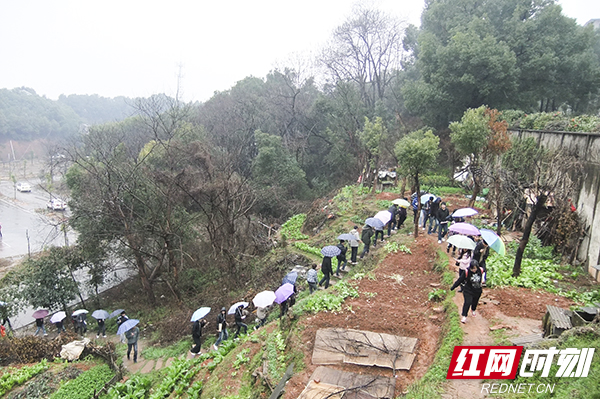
[[564, 230], [32, 349]]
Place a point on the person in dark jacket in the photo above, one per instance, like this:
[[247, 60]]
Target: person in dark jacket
[[480, 254], [60, 327], [327, 270], [341, 258], [122, 319], [401, 217], [392, 223], [365, 237], [415, 208], [101, 329], [435, 206], [239, 321], [197, 335], [442, 219], [40, 326], [132, 336], [288, 303], [425, 211], [221, 328], [4, 311], [471, 289]]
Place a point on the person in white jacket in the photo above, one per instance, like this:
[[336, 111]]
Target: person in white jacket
[[354, 245]]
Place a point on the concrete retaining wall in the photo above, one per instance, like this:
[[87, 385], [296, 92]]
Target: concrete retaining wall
[[587, 145]]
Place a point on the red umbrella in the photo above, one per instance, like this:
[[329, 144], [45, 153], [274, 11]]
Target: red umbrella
[[40, 314]]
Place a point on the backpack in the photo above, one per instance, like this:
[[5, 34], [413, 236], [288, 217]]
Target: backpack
[[474, 284]]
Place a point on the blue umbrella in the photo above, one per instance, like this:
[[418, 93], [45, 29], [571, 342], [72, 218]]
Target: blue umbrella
[[100, 314], [331, 251], [284, 292], [127, 325], [375, 223], [200, 313], [116, 313], [291, 278]]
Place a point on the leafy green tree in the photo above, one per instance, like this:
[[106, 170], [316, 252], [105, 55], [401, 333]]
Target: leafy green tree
[[277, 176], [417, 153], [371, 137], [506, 54], [470, 137], [48, 281]]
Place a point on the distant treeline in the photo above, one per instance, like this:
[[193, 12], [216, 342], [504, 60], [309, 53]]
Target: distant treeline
[[24, 115]]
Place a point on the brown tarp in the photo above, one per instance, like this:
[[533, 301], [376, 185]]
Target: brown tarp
[[366, 348], [326, 381]]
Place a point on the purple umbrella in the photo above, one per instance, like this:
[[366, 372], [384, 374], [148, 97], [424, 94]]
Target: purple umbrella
[[465, 228], [284, 292], [40, 314]]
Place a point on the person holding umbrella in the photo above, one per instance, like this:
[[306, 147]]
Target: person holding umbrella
[[221, 328], [392, 223], [327, 270], [341, 258], [472, 279], [240, 315], [4, 314], [311, 278], [442, 221], [354, 244], [40, 326], [402, 214], [122, 319], [59, 326], [197, 335], [261, 316], [365, 237], [480, 254], [132, 336]]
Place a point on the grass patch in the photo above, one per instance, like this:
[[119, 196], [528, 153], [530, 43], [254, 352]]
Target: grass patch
[[175, 350], [430, 386]]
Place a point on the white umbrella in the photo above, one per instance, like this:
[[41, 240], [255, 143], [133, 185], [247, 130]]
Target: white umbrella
[[401, 202], [384, 216], [461, 242], [200, 313], [264, 299], [79, 311], [58, 316], [464, 212], [100, 314], [425, 198], [235, 306]]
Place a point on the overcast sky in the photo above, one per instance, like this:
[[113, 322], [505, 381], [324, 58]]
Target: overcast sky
[[136, 47]]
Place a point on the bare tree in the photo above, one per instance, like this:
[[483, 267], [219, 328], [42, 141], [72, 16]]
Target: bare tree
[[366, 50], [539, 176]]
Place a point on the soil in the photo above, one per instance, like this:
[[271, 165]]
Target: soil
[[399, 308], [404, 309]]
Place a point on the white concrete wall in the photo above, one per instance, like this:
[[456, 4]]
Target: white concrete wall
[[587, 146]]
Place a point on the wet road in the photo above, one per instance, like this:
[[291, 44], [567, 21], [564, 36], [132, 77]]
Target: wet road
[[26, 224]]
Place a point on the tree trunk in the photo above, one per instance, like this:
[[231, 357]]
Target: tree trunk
[[146, 283], [418, 205], [541, 200], [498, 206], [476, 189], [403, 187]]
